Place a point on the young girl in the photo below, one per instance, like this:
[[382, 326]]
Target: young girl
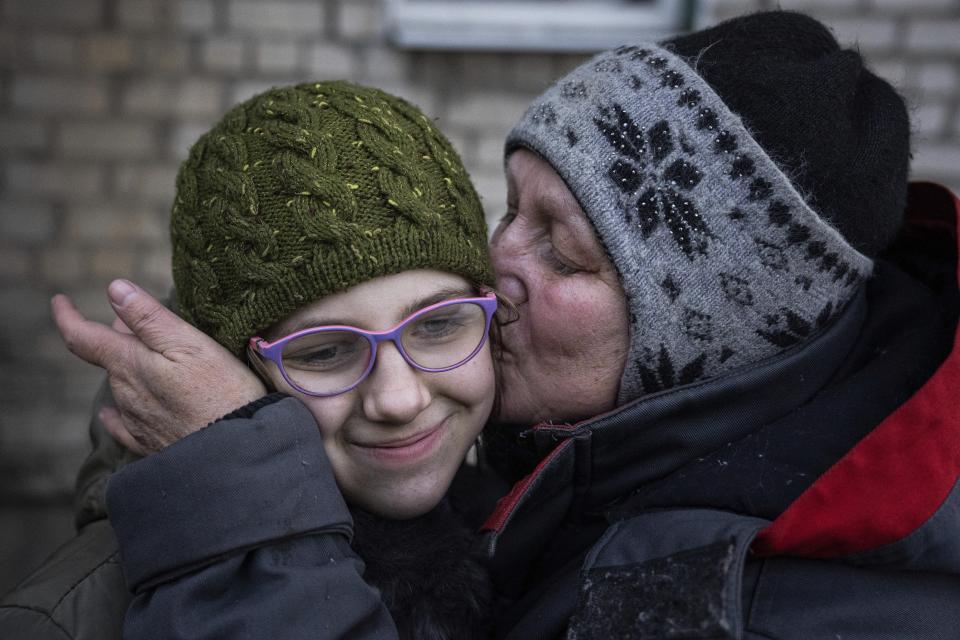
[[328, 233]]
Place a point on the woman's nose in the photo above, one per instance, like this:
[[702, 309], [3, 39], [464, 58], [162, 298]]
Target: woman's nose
[[508, 264], [394, 392]]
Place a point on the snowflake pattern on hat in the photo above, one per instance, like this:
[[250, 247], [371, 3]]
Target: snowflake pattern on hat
[[722, 261]]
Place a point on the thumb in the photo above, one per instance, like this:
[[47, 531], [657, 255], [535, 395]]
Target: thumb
[[157, 327]]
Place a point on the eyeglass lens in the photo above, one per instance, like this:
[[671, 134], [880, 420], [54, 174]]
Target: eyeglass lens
[[330, 361]]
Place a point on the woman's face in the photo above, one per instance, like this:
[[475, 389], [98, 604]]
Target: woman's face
[[396, 440], [563, 358]]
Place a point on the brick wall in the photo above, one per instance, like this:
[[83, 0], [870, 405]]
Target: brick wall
[[99, 100]]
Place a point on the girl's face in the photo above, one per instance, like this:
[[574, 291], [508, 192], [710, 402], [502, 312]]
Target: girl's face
[[396, 440]]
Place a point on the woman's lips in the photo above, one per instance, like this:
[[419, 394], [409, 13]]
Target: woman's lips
[[405, 450]]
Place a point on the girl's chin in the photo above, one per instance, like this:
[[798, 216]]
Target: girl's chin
[[403, 500]]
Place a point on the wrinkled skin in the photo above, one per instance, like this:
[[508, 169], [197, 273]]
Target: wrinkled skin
[[168, 378], [563, 358]]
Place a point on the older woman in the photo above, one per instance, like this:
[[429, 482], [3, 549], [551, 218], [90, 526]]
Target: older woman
[[738, 356]]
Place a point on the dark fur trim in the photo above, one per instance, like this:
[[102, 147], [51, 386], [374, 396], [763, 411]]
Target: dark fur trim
[[428, 572]]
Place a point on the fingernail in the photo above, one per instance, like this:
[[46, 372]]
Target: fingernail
[[120, 292]]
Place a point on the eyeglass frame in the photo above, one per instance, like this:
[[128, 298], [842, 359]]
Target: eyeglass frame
[[273, 351]]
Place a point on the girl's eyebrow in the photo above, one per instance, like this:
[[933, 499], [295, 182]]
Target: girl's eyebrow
[[434, 298], [426, 301]]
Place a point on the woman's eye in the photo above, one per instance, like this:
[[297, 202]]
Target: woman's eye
[[556, 264]]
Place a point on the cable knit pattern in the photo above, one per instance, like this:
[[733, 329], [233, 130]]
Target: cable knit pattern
[[307, 190]]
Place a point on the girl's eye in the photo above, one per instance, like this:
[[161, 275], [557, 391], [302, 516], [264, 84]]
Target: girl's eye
[[435, 328]]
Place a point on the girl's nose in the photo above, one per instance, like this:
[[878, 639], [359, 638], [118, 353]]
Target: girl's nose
[[394, 392]]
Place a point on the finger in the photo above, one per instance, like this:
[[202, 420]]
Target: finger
[[157, 327], [113, 423], [92, 341], [119, 326]]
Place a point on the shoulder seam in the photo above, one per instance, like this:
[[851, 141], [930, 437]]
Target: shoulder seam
[[40, 612], [111, 559]]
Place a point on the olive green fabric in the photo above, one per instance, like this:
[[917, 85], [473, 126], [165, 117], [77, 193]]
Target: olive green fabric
[[307, 190]]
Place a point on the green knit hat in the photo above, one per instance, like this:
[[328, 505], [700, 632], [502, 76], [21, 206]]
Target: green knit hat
[[304, 191]]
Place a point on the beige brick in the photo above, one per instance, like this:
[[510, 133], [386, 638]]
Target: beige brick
[[868, 35], [244, 90], [490, 152], [23, 134], [109, 263], [823, 8], [165, 55], [487, 110], [191, 97], [360, 20], [26, 309], [91, 298], [140, 14], [53, 13], [912, 6], [62, 179], [16, 263], [54, 50], [930, 119], [115, 222], [937, 78], [184, 135], [194, 15], [530, 73], [329, 61], [423, 96], [492, 187], [278, 16], [27, 221], [893, 70], [277, 57], [62, 265], [384, 63], [154, 269], [59, 94], [224, 54], [107, 139], [486, 70], [106, 52], [934, 36], [935, 161], [153, 183]]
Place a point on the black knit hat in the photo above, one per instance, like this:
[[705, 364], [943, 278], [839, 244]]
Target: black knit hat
[[740, 178], [840, 133]]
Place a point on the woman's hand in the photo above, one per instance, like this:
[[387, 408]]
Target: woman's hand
[[168, 378]]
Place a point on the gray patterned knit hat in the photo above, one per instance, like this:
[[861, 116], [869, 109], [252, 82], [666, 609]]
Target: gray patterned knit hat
[[723, 262]]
